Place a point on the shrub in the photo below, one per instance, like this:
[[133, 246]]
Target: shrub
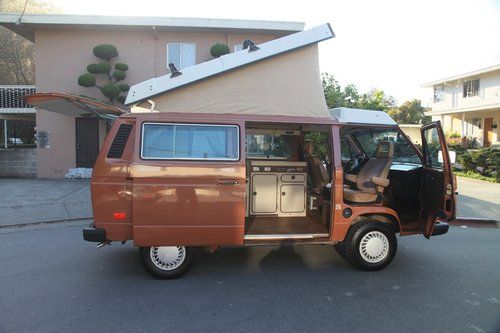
[[119, 75], [92, 68], [485, 161], [457, 148], [103, 67], [121, 99], [454, 135], [121, 66], [86, 80], [219, 50], [111, 90], [105, 51], [124, 87]]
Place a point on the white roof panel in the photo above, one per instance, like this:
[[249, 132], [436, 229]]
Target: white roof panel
[[360, 116], [163, 84]]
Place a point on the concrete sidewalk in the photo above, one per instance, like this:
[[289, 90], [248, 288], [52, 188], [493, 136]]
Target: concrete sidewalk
[[478, 199], [25, 201]]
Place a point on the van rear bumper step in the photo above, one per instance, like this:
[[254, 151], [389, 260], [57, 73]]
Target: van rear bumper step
[[440, 228], [94, 235]]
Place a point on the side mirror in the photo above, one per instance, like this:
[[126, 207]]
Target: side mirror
[[451, 153]]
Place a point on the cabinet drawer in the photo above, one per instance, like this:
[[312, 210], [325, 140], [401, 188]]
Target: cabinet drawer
[[293, 178]]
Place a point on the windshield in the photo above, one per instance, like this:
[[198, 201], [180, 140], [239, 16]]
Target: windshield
[[368, 139], [268, 146]]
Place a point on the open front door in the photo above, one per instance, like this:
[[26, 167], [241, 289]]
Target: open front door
[[436, 194]]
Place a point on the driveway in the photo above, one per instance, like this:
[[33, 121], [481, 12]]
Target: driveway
[[478, 199], [53, 281]]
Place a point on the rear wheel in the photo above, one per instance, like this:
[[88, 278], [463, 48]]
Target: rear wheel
[[370, 245], [166, 262]]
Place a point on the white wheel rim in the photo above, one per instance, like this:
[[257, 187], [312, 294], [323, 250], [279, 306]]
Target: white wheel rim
[[374, 247], [167, 258]]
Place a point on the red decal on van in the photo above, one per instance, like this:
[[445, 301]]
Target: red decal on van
[[119, 216]]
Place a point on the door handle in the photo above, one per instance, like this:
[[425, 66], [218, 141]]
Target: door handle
[[228, 182]]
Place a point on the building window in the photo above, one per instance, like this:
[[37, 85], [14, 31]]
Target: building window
[[438, 94], [190, 142], [471, 88], [238, 47], [182, 55]]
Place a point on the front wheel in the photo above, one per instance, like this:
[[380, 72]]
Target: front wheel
[[166, 262], [370, 245]]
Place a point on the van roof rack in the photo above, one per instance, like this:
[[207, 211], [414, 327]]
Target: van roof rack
[[361, 116]]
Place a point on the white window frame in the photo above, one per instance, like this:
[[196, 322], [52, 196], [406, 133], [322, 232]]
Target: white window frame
[[191, 158], [470, 92], [442, 94], [235, 47], [181, 65]]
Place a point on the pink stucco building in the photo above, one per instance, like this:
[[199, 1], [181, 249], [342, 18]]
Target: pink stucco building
[[63, 49]]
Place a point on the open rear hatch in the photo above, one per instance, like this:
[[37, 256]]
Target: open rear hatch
[[72, 105]]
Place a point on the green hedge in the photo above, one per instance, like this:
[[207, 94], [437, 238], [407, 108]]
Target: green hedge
[[485, 161]]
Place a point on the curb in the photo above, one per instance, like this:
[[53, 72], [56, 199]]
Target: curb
[[475, 222], [30, 224]]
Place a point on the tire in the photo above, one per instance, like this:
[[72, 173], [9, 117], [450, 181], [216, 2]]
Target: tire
[[166, 262], [340, 248], [370, 245]]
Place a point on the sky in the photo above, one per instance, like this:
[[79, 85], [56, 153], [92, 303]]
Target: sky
[[391, 45]]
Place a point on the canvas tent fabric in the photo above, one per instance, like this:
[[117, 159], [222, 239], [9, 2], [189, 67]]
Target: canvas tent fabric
[[288, 84]]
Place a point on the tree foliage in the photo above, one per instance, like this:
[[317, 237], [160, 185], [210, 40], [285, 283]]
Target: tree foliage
[[110, 82], [410, 112], [349, 96], [17, 53]]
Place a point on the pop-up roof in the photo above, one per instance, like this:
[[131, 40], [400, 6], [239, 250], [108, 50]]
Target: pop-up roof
[[279, 77]]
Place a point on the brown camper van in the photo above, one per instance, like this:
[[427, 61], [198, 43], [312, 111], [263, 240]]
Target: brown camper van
[[171, 183], [241, 150]]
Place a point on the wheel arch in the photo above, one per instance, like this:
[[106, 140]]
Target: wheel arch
[[379, 217]]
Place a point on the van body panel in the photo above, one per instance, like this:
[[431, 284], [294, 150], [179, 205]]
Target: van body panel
[[111, 189], [188, 201]]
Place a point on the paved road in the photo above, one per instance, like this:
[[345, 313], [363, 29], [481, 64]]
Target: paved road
[[478, 199], [52, 281]]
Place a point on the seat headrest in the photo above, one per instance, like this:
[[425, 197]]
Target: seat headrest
[[385, 149], [308, 148]]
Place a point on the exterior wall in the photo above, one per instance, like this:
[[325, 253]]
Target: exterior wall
[[61, 56], [489, 93], [413, 133], [20, 162], [465, 116], [473, 124]]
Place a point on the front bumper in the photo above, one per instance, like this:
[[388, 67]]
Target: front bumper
[[94, 235], [440, 228]]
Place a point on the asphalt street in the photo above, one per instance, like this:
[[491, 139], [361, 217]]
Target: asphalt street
[[53, 281]]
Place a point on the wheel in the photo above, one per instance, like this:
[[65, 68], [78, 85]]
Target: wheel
[[370, 245], [166, 262]]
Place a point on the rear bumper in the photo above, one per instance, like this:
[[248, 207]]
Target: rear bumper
[[94, 235], [440, 228]]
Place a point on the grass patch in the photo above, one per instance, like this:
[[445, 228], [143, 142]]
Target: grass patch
[[475, 175]]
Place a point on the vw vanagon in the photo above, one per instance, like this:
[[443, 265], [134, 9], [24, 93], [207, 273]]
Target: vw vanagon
[[242, 151]]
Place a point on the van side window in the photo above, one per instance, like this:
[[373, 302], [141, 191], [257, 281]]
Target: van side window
[[190, 142]]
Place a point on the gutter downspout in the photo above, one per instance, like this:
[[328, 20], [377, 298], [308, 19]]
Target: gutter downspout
[[155, 34]]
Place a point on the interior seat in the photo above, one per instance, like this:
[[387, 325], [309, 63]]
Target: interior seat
[[372, 177], [317, 170]]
